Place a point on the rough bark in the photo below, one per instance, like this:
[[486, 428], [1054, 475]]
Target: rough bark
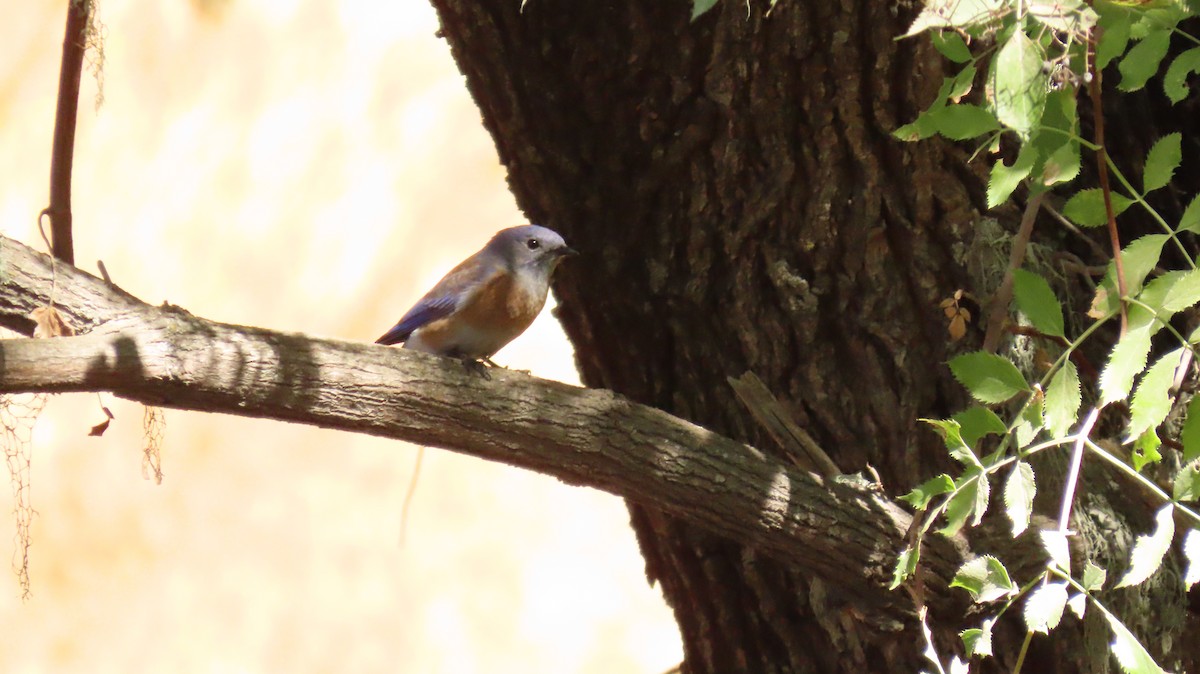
[[166, 356], [741, 206]]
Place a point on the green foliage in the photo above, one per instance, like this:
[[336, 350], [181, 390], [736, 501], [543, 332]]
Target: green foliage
[[988, 377], [700, 7], [1034, 55]]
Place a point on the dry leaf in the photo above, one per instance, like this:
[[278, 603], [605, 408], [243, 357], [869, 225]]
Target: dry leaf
[[50, 323], [1098, 303], [99, 428]]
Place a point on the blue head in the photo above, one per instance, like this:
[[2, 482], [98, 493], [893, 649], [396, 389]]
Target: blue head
[[529, 248]]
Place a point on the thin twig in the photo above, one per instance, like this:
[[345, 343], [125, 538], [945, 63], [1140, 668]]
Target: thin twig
[[63, 152], [1094, 84], [1070, 227], [1003, 296]]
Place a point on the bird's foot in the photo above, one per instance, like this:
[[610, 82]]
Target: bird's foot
[[478, 366]]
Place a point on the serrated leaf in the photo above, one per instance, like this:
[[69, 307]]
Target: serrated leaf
[[1062, 401], [1154, 315], [951, 45], [989, 378], [1142, 61], [960, 506], [1161, 161], [983, 494], [1093, 577], [978, 640], [1175, 79], [957, 13], [1127, 359], [1078, 604], [1113, 42], [1054, 542], [1145, 450], [1183, 293], [906, 563], [1149, 549], [1139, 258], [1019, 490], [1187, 484], [1129, 652], [1066, 16], [962, 121], [1086, 208], [952, 436], [1044, 607], [1191, 553], [1004, 179], [976, 422], [985, 578], [1190, 435], [921, 495], [961, 84], [1030, 422], [1019, 84], [1152, 400], [700, 7], [1037, 301], [1062, 165], [1190, 222]]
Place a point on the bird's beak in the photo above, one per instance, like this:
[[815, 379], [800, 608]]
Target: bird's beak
[[567, 251]]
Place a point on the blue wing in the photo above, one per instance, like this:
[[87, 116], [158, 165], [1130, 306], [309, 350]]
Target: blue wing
[[442, 300], [425, 311]]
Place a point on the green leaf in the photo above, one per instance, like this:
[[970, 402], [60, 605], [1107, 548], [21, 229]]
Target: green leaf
[[1062, 165], [988, 377], [1113, 41], [1190, 222], [961, 84], [1086, 208], [1019, 83], [1044, 607], [1064, 16], [983, 493], [921, 495], [1161, 161], [699, 7], [962, 121], [1129, 652], [1029, 424], [1191, 553], [1037, 301], [1142, 61], [957, 13], [1190, 435], [906, 564], [1175, 79], [1006, 178], [1183, 293], [1187, 484], [978, 640], [1019, 490], [1127, 359], [985, 578], [962, 504], [1153, 315], [952, 436], [1062, 402], [951, 45], [1139, 258], [1078, 604], [1149, 549], [1093, 577], [1145, 450], [1152, 400], [976, 422], [1054, 542]]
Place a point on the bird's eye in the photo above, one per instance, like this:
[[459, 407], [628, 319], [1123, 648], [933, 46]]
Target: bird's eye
[[533, 244]]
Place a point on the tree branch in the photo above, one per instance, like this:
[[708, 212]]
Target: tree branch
[[165, 356], [63, 153]]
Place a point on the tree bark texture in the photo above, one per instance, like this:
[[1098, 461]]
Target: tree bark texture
[[741, 206]]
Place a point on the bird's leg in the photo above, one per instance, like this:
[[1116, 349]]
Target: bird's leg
[[476, 366]]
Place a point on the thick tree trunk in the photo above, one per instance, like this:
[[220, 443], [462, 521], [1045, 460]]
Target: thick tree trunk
[[741, 206]]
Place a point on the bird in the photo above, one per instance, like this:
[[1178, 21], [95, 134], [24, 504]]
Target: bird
[[487, 300]]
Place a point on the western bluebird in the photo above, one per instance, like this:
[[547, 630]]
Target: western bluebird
[[487, 300]]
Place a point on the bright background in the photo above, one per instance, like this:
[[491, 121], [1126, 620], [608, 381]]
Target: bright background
[[308, 166]]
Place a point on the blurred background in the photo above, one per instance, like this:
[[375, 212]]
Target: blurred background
[[309, 166]]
